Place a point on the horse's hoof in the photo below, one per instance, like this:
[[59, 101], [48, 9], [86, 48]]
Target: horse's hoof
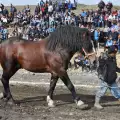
[[1, 96], [51, 104], [82, 105], [9, 101]]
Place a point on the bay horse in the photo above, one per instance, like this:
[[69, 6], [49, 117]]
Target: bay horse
[[50, 55]]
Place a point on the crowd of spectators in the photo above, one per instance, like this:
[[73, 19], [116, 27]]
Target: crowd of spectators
[[48, 15]]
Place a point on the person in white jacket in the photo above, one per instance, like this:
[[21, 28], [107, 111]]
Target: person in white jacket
[[4, 19], [111, 17], [50, 9]]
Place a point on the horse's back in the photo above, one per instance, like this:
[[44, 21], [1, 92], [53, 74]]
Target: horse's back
[[31, 55]]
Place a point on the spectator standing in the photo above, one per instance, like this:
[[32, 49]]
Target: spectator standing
[[42, 3], [101, 21], [109, 6], [69, 6], [28, 9], [50, 9], [101, 5], [96, 39], [95, 20]]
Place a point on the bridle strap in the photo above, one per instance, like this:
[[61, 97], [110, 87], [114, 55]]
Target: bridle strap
[[88, 54]]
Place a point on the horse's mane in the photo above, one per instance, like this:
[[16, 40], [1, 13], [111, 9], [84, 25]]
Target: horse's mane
[[69, 37]]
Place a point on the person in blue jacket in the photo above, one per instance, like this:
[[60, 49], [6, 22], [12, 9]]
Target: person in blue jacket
[[69, 6], [51, 29], [96, 38], [4, 33], [42, 3]]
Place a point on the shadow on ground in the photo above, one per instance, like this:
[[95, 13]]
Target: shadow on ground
[[67, 99]]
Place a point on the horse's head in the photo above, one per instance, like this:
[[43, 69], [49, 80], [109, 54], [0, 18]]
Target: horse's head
[[87, 45]]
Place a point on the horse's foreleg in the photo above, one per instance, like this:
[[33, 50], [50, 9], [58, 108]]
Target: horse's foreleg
[[70, 86], [53, 82]]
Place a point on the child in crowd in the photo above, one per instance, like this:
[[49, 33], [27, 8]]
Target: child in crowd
[[78, 60], [109, 42]]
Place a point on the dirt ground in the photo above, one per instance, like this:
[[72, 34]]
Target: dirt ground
[[33, 104]]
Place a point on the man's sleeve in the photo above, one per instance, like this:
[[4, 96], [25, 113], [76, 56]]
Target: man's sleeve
[[117, 69]]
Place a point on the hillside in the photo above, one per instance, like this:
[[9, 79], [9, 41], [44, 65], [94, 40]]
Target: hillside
[[94, 7], [79, 7]]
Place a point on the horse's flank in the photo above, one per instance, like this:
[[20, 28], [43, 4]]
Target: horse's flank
[[32, 56]]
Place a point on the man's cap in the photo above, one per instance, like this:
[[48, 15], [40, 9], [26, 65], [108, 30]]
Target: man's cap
[[112, 49]]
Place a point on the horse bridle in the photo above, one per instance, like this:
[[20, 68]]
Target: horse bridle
[[93, 53]]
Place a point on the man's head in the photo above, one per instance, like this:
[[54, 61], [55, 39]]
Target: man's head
[[112, 50]]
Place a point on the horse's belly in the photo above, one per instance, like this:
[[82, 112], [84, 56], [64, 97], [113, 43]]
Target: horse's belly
[[34, 66], [33, 62], [42, 70]]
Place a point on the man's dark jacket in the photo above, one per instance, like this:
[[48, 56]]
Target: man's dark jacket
[[108, 68]]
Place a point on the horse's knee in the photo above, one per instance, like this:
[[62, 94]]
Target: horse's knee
[[61, 72], [54, 76], [5, 77], [70, 86]]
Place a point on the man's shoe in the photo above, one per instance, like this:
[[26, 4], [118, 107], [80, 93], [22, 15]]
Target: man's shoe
[[98, 106]]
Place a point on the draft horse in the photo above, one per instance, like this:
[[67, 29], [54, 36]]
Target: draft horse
[[51, 55]]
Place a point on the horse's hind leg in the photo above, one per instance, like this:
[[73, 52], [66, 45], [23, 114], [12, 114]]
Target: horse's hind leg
[[53, 82], [64, 77], [6, 92], [8, 72]]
